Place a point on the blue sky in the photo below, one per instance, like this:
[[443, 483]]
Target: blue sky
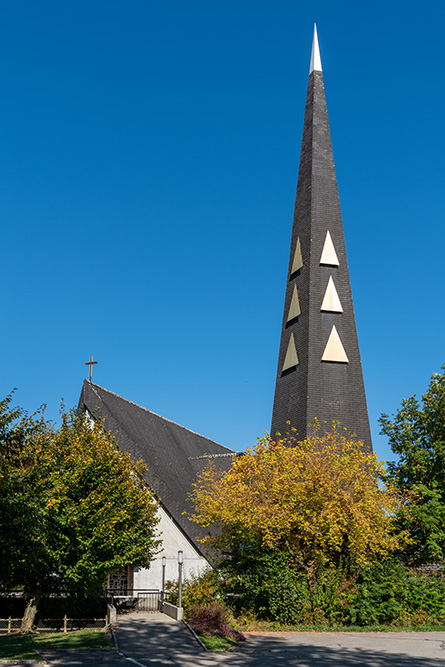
[[149, 157]]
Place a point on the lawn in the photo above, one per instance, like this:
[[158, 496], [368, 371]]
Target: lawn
[[220, 644], [24, 647]]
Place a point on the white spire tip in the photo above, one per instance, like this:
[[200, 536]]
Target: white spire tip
[[315, 55]]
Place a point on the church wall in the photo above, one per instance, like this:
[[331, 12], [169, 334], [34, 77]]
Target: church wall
[[173, 540]]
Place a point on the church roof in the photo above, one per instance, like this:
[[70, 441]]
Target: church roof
[[174, 454]]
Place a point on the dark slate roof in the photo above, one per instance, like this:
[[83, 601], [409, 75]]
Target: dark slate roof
[[174, 454]]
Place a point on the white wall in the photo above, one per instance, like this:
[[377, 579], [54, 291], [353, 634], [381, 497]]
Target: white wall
[[173, 540]]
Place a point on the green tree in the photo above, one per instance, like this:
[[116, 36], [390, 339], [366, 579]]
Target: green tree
[[319, 500], [73, 507], [417, 435]]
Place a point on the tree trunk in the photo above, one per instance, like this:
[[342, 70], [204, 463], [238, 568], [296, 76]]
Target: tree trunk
[[30, 614]]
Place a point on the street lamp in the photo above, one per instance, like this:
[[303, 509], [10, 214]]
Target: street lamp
[[164, 563], [180, 562]]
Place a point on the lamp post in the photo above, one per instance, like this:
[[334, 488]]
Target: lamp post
[[180, 562], [164, 563]]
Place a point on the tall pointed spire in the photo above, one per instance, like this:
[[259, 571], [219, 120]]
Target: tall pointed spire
[[319, 369]]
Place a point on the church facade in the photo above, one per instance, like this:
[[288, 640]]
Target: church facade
[[174, 456], [319, 372]]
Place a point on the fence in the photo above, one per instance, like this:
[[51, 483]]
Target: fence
[[133, 599], [65, 624]]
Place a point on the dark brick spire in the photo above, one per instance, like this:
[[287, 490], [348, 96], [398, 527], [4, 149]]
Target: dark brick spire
[[319, 369]]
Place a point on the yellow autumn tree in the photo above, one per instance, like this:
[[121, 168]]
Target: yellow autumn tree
[[321, 499]]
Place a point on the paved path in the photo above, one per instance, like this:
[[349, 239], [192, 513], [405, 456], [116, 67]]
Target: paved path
[[155, 640], [339, 649]]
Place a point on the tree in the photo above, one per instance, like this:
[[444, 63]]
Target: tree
[[73, 507], [417, 435], [320, 500]]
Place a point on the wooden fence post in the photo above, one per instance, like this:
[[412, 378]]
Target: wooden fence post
[[65, 623], [9, 625]]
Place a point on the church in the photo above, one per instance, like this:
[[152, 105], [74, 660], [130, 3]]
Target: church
[[319, 374]]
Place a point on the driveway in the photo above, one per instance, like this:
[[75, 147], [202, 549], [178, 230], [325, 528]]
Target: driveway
[[155, 640]]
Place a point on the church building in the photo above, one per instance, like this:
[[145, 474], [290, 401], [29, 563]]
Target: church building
[[319, 372]]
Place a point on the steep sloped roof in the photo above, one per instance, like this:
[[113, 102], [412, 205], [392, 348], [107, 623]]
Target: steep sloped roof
[[174, 454]]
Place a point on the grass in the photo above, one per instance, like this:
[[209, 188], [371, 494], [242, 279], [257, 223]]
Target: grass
[[220, 644], [253, 625], [24, 647]]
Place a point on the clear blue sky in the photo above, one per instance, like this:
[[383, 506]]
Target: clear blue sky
[[149, 157]]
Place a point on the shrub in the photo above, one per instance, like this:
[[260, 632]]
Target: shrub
[[202, 589], [391, 594], [212, 620], [264, 582]]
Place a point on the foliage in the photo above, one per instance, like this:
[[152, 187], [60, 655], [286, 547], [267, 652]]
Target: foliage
[[201, 590], [56, 606], [311, 527], [73, 507], [417, 435], [390, 593], [259, 579], [212, 619], [262, 580], [320, 500]]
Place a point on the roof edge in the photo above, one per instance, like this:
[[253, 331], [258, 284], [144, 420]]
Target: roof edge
[[141, 407]]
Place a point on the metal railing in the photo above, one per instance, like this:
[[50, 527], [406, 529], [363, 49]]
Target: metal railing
[[133, 599]]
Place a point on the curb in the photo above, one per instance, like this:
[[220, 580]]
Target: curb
[[195, 635], [36, 661], [113, 634], [42, 661], [75, 650]]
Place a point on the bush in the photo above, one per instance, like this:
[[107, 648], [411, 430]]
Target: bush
[[391, 594], [264, 582], [212, 620], [259, 579], [202, 589]]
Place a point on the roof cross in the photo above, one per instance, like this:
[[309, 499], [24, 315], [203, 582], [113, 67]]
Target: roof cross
[[90, 364]]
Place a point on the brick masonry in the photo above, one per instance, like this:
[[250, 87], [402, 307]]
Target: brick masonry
[[314, 388]]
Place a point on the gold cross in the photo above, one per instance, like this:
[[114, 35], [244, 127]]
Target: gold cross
[[90, 364]]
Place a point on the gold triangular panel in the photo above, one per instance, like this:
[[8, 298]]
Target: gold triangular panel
[[298, 259], [331, 302], [291, 358], [334, 350], [294, 310], [329, 256]]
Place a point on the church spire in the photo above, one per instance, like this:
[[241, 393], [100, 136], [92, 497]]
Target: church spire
[[319, 369], [315, 55]]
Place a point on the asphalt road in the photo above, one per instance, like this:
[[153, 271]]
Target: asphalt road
[[154, 640]]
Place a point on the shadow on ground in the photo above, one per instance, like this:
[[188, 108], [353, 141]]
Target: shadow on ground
[[157, 641]]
